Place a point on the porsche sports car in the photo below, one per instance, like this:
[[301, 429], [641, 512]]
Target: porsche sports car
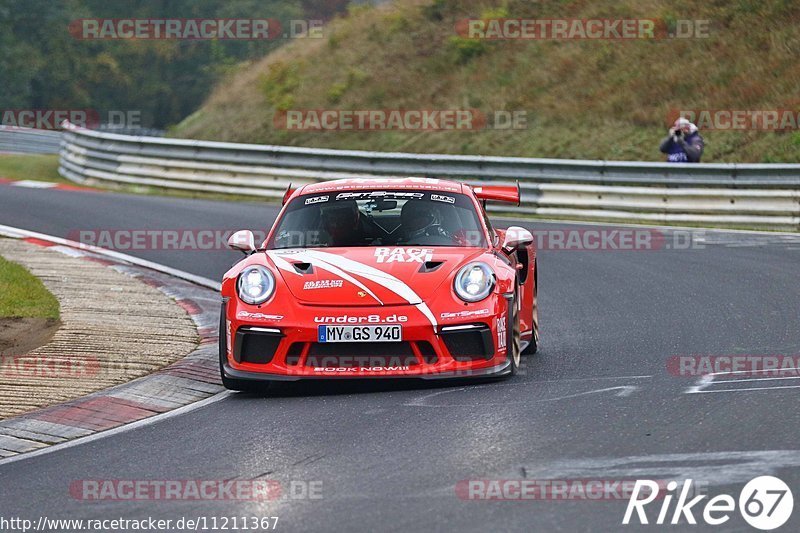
[[363, 278]]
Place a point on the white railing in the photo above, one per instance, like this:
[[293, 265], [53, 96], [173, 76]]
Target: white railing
[[754, 195]]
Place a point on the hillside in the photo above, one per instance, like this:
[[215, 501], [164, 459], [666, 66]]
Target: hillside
[[594, 99]]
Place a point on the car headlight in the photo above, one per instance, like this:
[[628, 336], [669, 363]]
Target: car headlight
[[256, 284], [474, 282]]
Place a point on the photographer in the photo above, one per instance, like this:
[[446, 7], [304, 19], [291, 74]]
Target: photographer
[[683, 144]]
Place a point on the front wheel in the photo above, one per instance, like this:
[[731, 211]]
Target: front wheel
[[534, 342], [513, 344]]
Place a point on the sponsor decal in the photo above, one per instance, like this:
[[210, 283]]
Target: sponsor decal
[[287, 251], [502, 334], [323, 284], [419, 184], [403, 255], [463, 314], [317, 200], [349, 369], [348, 319], [367, 195], [255, 316], [442, 198]]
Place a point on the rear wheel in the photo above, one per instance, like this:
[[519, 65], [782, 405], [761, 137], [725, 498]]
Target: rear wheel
[[513, 344]]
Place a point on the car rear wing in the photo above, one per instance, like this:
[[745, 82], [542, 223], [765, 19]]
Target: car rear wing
[[498, 193]]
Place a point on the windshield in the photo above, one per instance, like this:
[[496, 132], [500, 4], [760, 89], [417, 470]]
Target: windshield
[[379, 217]]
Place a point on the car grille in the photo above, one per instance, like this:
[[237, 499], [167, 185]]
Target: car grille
[[469, 344], [357, 354], [254, 346]]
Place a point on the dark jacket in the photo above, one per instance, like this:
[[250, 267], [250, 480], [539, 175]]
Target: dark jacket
[[683, 149]]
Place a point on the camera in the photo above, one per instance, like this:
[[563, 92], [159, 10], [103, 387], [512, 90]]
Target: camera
[[678, 132]]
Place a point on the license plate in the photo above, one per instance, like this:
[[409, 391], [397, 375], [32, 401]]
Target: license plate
[[372, 333]]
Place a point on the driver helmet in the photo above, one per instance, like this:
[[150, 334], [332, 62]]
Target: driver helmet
[[417, 216], [340, 219]]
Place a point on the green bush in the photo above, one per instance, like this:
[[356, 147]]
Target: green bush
[[279, 84]]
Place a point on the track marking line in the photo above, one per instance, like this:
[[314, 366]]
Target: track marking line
[[713, 468], [420, 402], [708, 380], [757, 379], [34, 184], [623, 392], [746, 389], [598, 378]]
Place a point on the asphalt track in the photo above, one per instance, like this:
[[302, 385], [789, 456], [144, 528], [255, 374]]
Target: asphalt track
[[596, 402]]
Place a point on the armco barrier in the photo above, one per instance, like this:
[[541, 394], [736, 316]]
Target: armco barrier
[[755, 195], [26, 140]]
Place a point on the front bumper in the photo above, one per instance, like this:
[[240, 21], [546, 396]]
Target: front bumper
[[288, 350], [500, 370]]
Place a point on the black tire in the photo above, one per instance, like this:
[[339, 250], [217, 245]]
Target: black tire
[[533, 346], [513, 343], [232, 383]]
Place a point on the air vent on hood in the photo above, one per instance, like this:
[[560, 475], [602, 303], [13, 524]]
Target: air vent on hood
[[303, 268], [430, 266]]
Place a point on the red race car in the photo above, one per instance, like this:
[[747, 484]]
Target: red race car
[[364, 278]]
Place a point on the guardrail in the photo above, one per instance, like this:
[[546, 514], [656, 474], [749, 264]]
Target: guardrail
[[29, 141], [753, 195]]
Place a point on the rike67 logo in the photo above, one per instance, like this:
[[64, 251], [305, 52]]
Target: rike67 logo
[[765, 503]]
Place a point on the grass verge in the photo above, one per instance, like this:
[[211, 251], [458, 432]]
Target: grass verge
[[23, 295], [38, 167]]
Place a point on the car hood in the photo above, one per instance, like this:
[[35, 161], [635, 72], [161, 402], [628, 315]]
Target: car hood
[[368, 276]]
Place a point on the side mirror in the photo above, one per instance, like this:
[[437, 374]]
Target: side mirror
[[243, 240], [516, 238]]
